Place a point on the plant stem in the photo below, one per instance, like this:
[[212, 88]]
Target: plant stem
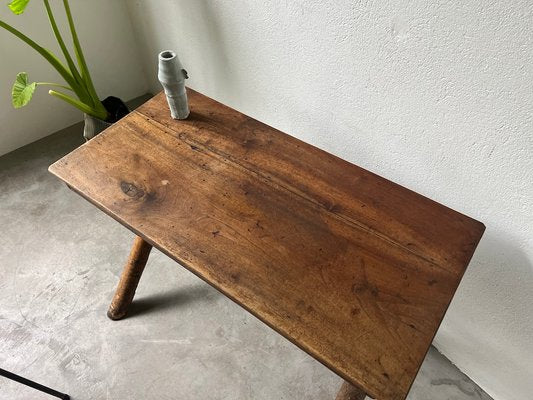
[[53, 84], [79, 105], [83, 95], [81, 61], [48, 55]]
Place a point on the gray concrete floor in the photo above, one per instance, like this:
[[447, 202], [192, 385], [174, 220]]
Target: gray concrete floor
[[60, 260]]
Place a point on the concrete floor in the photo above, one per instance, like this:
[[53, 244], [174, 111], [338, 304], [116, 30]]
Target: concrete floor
[[60, 260]]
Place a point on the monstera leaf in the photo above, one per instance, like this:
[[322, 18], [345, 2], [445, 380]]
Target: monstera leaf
[[18, 6], [22, 91]]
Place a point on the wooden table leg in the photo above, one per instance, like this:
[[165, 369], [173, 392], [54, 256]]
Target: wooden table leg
[[350, 392], [129, 279]]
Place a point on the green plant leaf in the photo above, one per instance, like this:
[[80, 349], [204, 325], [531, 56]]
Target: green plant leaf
[[18, 6], [22, 91]]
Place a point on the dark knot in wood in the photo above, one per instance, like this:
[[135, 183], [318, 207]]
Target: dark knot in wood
[[131, 190]]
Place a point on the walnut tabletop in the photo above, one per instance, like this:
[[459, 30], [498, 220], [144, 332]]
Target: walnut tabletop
[[352, 268]]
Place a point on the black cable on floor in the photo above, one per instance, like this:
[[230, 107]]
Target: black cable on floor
[[35, 385]]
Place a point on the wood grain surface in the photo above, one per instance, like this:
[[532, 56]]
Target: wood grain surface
[[354, 269]]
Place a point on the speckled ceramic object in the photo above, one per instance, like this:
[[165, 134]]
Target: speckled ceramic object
[[172, 77]]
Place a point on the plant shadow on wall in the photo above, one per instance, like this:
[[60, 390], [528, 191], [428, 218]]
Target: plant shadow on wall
[[499, 280], [78, 90]]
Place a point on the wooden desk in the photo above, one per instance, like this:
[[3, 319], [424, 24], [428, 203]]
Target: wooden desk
[[352, 268]]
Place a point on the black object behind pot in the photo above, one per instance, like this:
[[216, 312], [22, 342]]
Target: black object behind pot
[[116, 108]]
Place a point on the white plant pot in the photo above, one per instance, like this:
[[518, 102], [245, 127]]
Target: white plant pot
[[116, 110], [93, 126]]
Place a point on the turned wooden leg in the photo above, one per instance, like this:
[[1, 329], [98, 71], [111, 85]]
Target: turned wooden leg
[[350, 392], [129, 279]]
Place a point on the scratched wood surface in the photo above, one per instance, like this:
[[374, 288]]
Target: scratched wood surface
[[354, 269]]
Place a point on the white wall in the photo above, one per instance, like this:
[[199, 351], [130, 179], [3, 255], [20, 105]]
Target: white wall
[[435, 95], [107, 38]]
